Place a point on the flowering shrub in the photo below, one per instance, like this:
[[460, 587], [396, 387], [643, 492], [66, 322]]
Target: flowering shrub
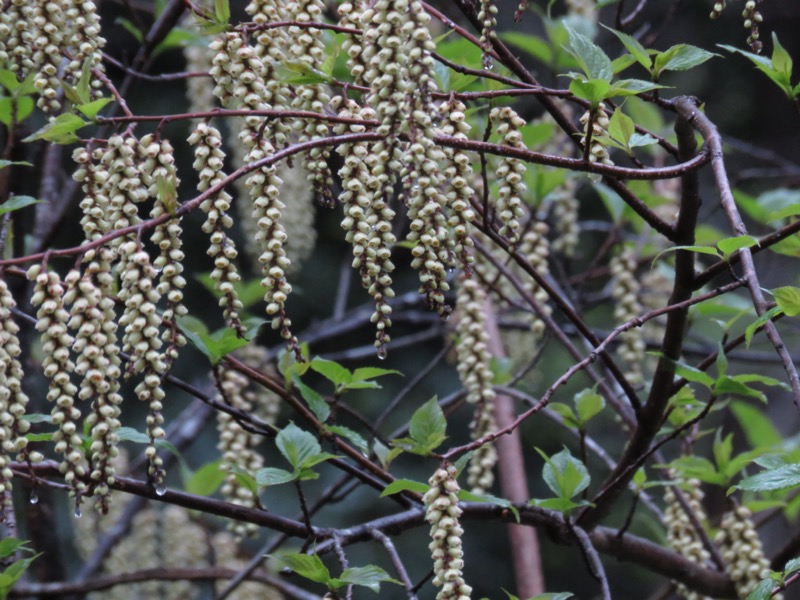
[[546, 233]]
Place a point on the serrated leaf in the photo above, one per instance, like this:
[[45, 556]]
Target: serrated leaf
[[591, 58], [207, 479], [369, 576], [759, 322], [404, 485], [762, 591], [633, 46], [222, 11], [428, 425], [588, 403], [792, 566], [297, 446], [693, 374], [8, 79], [697, 467], [593, 91], [566, 413], [90, 109], [332, 371], [364, 373], [562, 505], [681, 57], [765, 65], [60, 130], [757, 428], [730, 245], [309, 566], [788, 300], [244, 479], [621, 127], [632, 87], [353, 437], [269, 476], [783, 478], [729, 385], [315, 401], [9, 546], [17, 202], [564, 474]]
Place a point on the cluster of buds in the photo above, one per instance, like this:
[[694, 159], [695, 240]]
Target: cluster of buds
[[474, 370], [681, 532], [12, 400], [51, 321], [565, 219], [488, 18], [510, 173], [751, 20], [745, 561], [33, 36], [625, 291], [442, 512]]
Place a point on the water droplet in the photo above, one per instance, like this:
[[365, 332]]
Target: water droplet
[[161, 489], [382, 353], [78, 512], [34, 497]]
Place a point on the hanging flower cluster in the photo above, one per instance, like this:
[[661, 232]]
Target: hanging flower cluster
[[625, 291], [474, 371], [442, 512], [596, 121], [510, 172], [745, 561], [33, 36], [681, 533]]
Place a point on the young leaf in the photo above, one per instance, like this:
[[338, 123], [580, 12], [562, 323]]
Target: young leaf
[[8, 163], [781, 478], [60, 130], [757, 428], [369, 576], [309, 566], [788, 299], [269, 476], [680, 58], [762, 591], [428, 425], [730, 245], [633, 46], [206, 480], [24, 107], [750, 331], [403, 485], [587, 404], [90, 109], [353, 437], [17, 202], [766, 66], [297, 446], [564, 474], [591, 58], [593, 91], [332, 371], [316, 402], [620, 128]]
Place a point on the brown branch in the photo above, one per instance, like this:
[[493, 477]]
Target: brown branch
[[688, 109]]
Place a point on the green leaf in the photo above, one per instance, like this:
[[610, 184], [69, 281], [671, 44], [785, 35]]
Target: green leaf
[[566, 413], [757, 428], [8, 79], [750, 331], [562, 505], [788, 300], [129, 434], [10, 545], [593, 91], [297, 446], [680, 58], [24, 105], [207, 479], [730, 245], [781, 59], [215, 346], [167, 193], [332, 371], [468, 496], [766, 66], [37, 418], [588, 403], [404, 485], [564, 474], [591, 58], [697, 467], [60, 130], [620, 128], [309, 566], [90, 109], [222, 11], [693, 374], [428, 425], [366, 373], [632, 87], [369, 576], [722, 450], [781, 478], [353, 436], [792, 566], [17, 202], [245, 479], [315, 401], [762, 591], [8, 163], [269, 476], [633, 46]]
